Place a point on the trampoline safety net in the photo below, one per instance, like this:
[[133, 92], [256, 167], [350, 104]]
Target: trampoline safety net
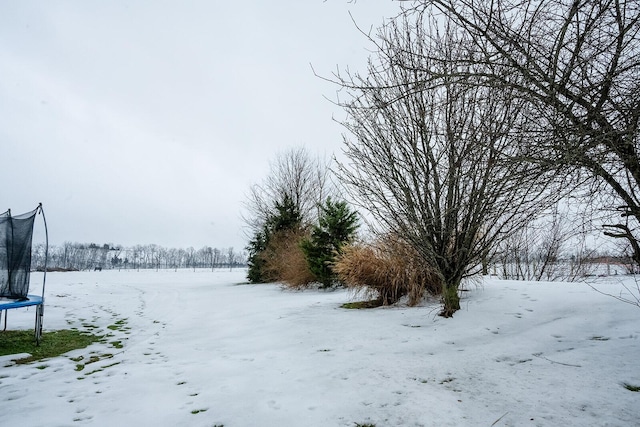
[[16, 233]]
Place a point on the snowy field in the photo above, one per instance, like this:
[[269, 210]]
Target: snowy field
[[198, 349]]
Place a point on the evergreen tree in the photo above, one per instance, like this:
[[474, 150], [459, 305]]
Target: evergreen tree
[[255, 263], [286, 216], [337, 225]]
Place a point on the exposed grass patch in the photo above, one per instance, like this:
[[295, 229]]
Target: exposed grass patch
[[365, 425], [92, 359], [53, 343], [631, 387], [362, 304], [119, 325], [101, 368], [197, 411]]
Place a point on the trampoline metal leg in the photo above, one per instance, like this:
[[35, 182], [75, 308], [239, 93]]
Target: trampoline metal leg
[[38, 326]]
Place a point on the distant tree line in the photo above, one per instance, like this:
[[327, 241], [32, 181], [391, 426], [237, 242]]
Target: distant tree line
[[90, 256]]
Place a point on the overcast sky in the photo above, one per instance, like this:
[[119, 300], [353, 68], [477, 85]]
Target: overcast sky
[[138, 122]]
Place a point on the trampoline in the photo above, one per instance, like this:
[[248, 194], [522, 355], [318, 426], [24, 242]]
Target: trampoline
[[16, 235]]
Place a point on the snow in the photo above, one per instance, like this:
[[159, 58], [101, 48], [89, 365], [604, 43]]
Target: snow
[[201, 349]]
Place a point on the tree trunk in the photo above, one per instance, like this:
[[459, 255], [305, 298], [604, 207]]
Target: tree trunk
[[450, 300]]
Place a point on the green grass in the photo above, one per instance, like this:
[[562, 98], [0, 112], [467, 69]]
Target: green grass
[[92, 359], [362, 304], [101, 369], [119, 325], [53, 343], [631, 387]]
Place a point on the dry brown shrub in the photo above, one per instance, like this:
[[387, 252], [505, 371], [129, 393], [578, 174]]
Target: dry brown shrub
[[387, 269], [285, 261]]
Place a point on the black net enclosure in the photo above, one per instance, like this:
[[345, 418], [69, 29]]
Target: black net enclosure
[[16, 234]]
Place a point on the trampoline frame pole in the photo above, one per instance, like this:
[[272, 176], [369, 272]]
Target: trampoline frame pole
[[40, 308]]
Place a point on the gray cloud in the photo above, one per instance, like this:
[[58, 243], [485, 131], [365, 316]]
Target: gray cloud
[[146, 122]]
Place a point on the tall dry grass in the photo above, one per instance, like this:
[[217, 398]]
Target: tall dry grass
[[284, 260], [387, 269]]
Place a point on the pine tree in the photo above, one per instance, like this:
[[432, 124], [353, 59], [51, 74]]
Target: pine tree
[[255, 263], [337, 225], [286, 216]]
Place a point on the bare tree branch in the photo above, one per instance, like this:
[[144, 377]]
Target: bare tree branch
[[577, 66]]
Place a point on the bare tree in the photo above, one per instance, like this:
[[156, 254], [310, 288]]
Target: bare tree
[[431, 164], [576, 64], [115, 260], [294, 174], [231, 258], [550, 248], [216, 257]]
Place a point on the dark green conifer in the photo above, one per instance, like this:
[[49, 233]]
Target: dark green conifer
[[337, 225]]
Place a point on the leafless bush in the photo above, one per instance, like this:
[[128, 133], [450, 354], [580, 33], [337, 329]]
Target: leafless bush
[[551, 248], [284, 260], [625, 257], [387, 269]]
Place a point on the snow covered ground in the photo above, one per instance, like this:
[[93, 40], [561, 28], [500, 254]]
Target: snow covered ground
[[198, 349]]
